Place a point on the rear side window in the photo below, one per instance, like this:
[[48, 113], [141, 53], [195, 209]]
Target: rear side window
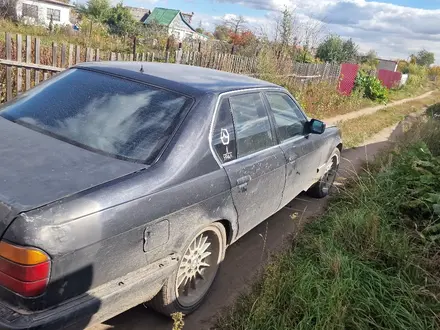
[[252, 126], [223, 138], [289, 119], [102, 113]]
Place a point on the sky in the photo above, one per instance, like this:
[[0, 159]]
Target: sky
[[394, 28]]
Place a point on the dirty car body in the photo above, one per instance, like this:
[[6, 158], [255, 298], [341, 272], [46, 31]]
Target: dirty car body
[[107, 172]]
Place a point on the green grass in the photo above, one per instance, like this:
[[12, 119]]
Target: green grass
[[368, 262], [413, 90]]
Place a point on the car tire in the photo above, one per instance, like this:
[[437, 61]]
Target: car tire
[[322, 188], [186, 288]]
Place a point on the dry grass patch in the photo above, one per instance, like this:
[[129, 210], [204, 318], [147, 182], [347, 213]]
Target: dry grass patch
[[356, 131]]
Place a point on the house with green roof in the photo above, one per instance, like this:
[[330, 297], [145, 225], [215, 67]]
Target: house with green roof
[[177, 23]]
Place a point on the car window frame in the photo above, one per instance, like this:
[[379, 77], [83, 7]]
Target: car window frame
[[269, 117], [220, 97], [306, 119]]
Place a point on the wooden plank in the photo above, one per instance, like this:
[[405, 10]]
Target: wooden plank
[[54, 54], [112, 56], [8, 69], [97, 55], [78, 54], [143, 57], [118, 57], [19, 58], [45, 75], [125, 57], [28, 60], [63, 56], [70, 63], [152, 57], [167, 59], [88, 56], [131, 57], [30, 65], [148, 56]]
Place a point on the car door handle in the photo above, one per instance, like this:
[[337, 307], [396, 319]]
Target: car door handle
[[242, 183], [291, 159]]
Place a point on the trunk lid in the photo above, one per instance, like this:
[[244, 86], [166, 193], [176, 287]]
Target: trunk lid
[[36, 169]]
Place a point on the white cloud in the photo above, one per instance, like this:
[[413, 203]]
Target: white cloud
[[394, 31]]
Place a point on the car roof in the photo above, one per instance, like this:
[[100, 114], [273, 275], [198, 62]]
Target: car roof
[[184, 78]]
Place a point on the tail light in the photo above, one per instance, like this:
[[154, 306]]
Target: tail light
[[23, 270]]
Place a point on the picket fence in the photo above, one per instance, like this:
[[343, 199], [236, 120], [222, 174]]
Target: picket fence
[[26, 63]]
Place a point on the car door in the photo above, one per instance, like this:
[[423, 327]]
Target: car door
[[302, 157], [253, 162]]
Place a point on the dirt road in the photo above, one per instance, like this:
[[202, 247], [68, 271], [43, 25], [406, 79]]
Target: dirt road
[[245, 258], [369, 111]]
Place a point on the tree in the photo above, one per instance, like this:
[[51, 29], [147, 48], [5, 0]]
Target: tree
[[221, 32], [334, 49], [242, 39], [425, 58], [8, 9], [200, 28], [236, 23], [96, 10], [369, 60], [121, 21], [286, 29], [350, 51]]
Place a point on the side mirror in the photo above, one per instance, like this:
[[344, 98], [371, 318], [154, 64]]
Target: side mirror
[[316, 126]]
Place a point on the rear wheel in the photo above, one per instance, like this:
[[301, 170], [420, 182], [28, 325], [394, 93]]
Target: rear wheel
[[322, 188], [185, 290]]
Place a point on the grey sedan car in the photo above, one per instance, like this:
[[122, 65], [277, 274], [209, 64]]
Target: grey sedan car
[[122, 183]]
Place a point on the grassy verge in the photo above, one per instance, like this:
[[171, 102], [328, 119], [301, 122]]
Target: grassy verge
[[412, 90], [322, 100], [356, 131], [370, 262]]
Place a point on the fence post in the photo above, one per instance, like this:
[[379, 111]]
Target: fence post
[[37, 60], [179, 55], [70, 61], [78, 55], [134, 46], [8, 68], [28, 60], [63, 55], [19, 58], [54, 54]]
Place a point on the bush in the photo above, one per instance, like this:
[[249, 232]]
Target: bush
[[434, 111], [371, 87]]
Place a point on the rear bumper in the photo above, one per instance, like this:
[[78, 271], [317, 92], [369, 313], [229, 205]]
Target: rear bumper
[[97, 305]]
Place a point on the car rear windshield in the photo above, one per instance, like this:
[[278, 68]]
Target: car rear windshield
[[103, 113]]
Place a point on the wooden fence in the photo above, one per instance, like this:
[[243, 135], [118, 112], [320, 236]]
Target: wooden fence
[[25, 63]]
